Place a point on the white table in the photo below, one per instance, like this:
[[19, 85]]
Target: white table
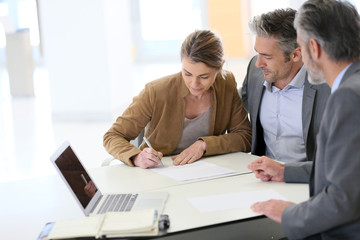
[[28, 204]]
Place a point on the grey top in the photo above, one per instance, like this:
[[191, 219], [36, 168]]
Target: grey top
[[193, 129]]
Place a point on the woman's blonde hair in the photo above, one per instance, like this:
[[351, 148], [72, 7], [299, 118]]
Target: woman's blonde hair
[[204, 46]]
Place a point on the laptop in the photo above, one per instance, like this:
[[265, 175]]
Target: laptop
[[87, 194]]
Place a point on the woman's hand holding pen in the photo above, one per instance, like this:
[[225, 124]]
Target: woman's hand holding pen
[[190, 154], [148, 157], [90, 189]]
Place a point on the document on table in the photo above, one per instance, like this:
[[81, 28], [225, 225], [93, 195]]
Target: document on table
[[196, 170], [233, 200]]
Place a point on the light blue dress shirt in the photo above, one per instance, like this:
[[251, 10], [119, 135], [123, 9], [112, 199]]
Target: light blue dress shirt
[[339, 78], [281, 119]]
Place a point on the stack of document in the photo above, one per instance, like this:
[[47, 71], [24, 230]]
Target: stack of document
[[111, 224]]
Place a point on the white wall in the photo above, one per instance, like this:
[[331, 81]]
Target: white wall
[[87, 51]]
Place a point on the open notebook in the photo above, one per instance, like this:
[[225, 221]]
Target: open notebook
[[111, 224]]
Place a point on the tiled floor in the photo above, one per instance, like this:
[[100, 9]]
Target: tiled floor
[[28, 135]]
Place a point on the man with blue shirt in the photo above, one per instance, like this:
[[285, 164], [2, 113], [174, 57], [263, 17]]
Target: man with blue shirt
[[285, 109], [333, 210]]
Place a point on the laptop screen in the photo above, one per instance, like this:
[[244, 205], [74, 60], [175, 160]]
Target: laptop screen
[[76, 176]]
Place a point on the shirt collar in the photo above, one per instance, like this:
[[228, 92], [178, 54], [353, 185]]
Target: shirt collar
[[339, 79], [296, 82]]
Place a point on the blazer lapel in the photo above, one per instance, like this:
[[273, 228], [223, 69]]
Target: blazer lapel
[[258, 144], [307, 106], [257, 94]]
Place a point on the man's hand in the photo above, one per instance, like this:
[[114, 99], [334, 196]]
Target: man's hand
[[272, 208], [190, 154], [148, 157], [267, 169]]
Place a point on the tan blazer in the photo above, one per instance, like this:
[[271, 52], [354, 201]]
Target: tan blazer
[[160, 107]]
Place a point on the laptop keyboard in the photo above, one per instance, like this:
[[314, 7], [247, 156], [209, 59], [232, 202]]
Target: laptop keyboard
[[118, 203]]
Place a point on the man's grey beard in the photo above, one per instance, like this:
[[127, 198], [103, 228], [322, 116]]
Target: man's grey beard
[[315, 74], [316, 80]]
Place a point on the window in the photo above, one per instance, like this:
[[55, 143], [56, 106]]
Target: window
[[161, 26]]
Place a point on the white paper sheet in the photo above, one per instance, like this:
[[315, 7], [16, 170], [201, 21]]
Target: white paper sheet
[[233, 200], [196, 170]]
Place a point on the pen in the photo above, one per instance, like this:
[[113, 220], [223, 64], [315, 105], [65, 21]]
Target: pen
[[84, 179], [149, 145]]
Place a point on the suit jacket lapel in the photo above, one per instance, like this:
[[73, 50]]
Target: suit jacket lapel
[[259, 147], [258, 94], [307, 106]]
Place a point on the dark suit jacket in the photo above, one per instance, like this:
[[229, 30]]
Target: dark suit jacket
[[333, 212], [314, 101]]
